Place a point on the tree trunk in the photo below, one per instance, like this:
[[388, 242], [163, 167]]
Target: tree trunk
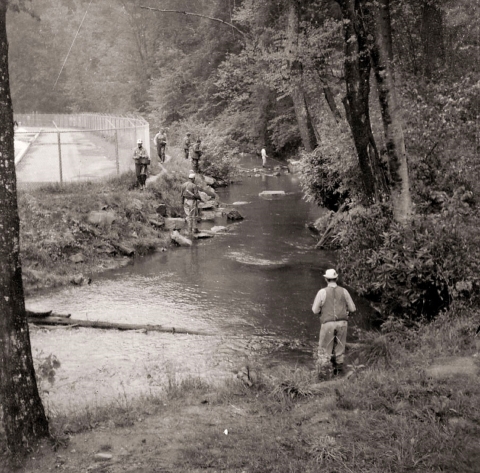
[[23, 414], [304, 119], [357, 78], [382, 59], [432, 38]]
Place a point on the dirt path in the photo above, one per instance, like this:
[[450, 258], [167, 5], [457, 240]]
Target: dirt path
[[173, 439]]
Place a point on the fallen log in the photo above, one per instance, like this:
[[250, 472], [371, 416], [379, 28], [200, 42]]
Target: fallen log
[[331, 226], [110, 325], [48, 313]]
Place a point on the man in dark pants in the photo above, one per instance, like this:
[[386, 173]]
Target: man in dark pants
[[197, 153], [334, 303], [160, 141], [187, 143], [140, 156]]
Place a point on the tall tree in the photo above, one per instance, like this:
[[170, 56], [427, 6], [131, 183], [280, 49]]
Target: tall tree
[[23, 413], [298, 95], [357, 78], [382, 58]]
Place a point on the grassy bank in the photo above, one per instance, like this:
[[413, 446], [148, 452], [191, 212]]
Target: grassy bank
[[54, 220], [414, 407]]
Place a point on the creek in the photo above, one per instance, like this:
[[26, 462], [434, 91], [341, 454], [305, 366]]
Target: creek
[[252, 289]]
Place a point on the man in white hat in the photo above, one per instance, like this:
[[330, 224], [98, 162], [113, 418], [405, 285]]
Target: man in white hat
[[334, 303], [190, 196], [140, 156]]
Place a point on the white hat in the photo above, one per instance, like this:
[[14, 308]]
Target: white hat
[[191, 175], [330, 274], [139, 141]]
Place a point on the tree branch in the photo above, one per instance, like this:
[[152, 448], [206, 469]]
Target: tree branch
[[195, 14]]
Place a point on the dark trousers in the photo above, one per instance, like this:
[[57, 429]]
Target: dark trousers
[[141, 173], [161, 153]]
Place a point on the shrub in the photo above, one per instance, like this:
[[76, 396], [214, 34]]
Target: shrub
[[413, 272]]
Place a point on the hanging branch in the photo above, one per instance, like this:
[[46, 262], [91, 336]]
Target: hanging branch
[[196, 14]]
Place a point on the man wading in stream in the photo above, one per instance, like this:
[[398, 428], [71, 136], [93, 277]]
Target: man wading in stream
[[334, 303], [190, 196]]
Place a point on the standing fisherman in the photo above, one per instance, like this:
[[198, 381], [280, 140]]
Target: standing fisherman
[[197, 153], [187, 143], [140, 156], [264, 158], [190, 196], [160, 142], [334, 303]]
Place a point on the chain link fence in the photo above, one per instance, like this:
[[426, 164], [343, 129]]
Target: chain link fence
[[76, 147]]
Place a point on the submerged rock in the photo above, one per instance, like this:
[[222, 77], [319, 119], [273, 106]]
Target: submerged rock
[[271, 195], [218, 229], [202, 236], [234, 215], [240, 203]]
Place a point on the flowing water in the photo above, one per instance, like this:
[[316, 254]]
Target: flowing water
[[251, 289]]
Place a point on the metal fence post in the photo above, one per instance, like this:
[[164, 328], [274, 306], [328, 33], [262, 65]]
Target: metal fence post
[[60, 158], [117, 158]]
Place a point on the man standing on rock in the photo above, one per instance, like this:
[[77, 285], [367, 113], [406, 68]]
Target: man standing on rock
[[187, 143], [197, 153], [334, 303], [140, 156], [160, 142], [190, 197], [264, 158]]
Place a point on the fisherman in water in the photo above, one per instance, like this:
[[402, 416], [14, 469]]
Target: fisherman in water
[[190, 196], [334, 303]]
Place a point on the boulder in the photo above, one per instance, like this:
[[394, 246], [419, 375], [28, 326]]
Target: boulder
[[294, 166], [78, 258], [204, 196], [234, 215], [101, 218], [206, 215], [240, 203], [180, 239], [174, 223], [209, 191], [271, 195], [135, 204], [103, 457], [210, 181], [162, 210], [206, 205]]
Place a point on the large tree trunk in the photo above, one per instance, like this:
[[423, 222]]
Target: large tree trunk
[[23, 414], [302, 113], [357, 78], [432, 38], [382, 59]]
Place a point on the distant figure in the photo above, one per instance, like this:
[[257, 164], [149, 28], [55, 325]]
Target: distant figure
[[140, 156], [160, 142], [197, 153], [264, 158], [190, 197], [187, 143], [334, 303], [15, 124]]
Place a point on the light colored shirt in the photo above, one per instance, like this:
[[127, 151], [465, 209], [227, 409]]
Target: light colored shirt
[[264, 154], [322, 294], [160, 138]]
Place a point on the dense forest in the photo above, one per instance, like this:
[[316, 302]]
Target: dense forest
[[380, 100]]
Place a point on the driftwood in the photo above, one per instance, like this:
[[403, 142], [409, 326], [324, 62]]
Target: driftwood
[[330, 227], [54, 320], [48, 313]]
